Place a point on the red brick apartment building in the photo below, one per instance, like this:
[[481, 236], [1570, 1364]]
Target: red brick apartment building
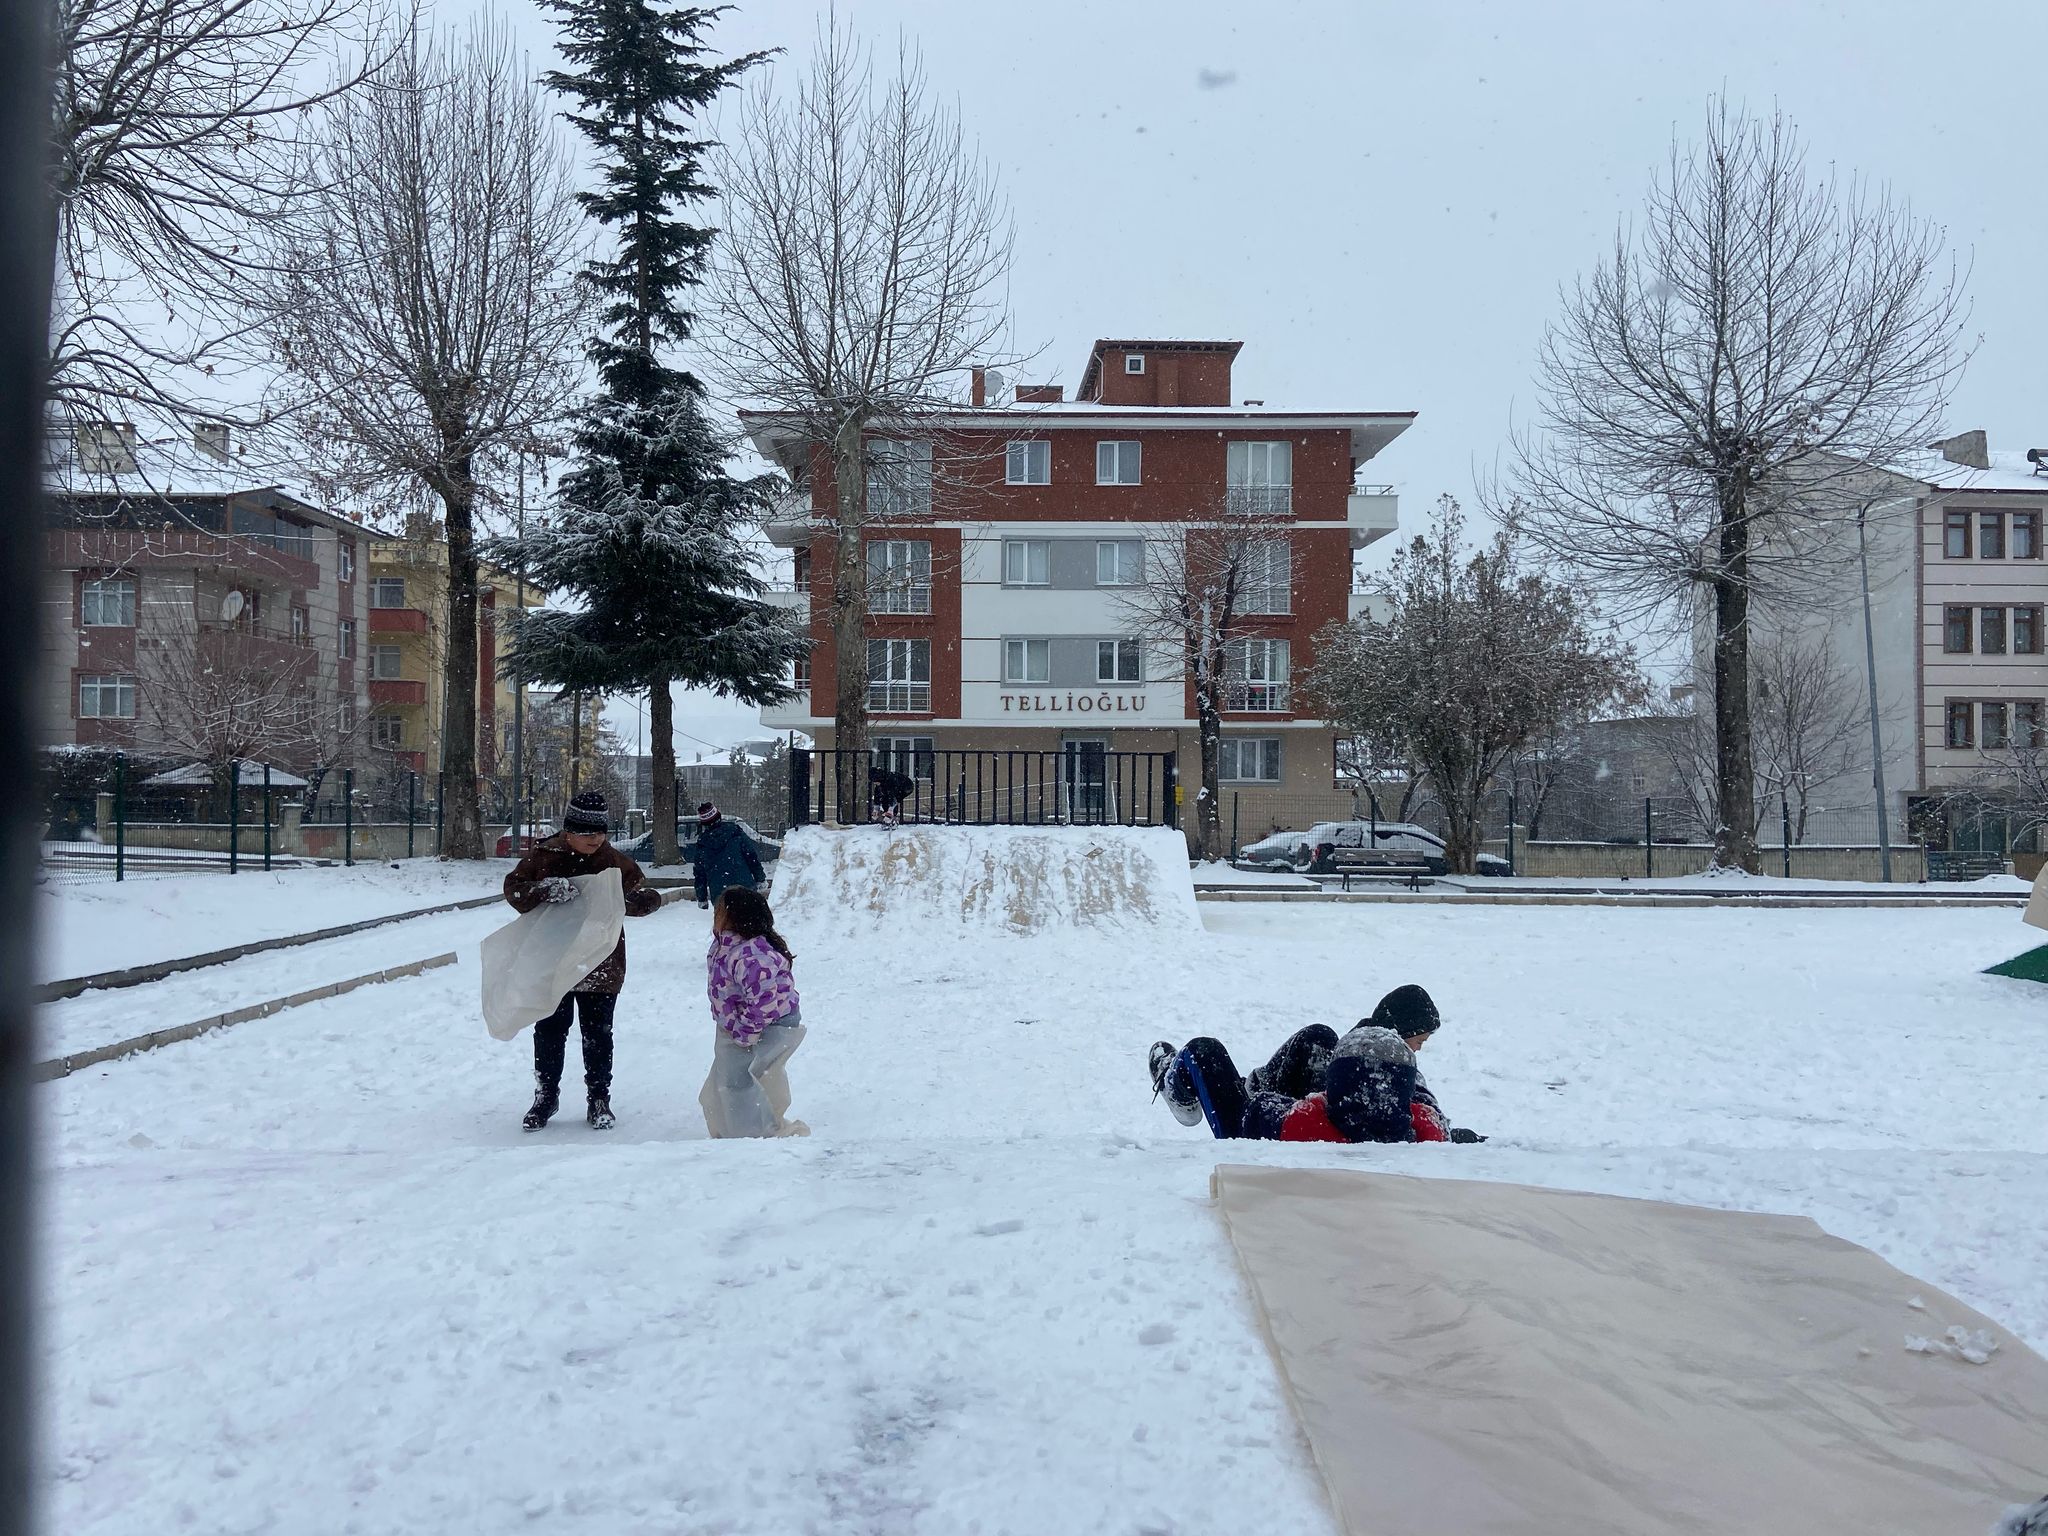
[[996, 620]]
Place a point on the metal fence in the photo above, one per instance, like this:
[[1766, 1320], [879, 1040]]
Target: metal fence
[[1077, 786]]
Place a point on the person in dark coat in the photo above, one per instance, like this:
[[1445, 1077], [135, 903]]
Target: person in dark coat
[[725, 856], [887, 790], [1410, 1012], [547, 874]]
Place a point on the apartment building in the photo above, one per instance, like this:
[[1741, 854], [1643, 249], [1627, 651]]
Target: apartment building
[[1000, 575], [189, 597]]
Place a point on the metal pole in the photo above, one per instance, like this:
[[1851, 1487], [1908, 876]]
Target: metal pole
[[1511, 831], [348, 816], [234, 815], [412, 808], [1649, 844], [121, 816], [1884, 836], [266, 815], [518, 683], [440, 810], [1785, 830], [1236, 796]]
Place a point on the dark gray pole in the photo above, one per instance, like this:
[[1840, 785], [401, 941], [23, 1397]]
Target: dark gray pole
[[348, 816], [234, 815], [120, 815], [412, 807], [1649, 844], [518, 683], [266, 815], [1511, 831], [1785, 830], [1884, 836]]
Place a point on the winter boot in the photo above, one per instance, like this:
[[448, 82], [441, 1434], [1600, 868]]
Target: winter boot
[[600, 1116], [545, 1103], [1162, 1059]]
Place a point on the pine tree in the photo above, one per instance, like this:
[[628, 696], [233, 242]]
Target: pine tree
[[648, 536]]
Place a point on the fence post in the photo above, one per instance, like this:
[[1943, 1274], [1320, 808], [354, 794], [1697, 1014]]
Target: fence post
[[266, 816], [1649, 844], [1170, 789], [440, 812], [1373, 801], [412, 806], [1785, 833], [1236, 795], [120, 815], [234, 815], [1511, 832], [348, 816]]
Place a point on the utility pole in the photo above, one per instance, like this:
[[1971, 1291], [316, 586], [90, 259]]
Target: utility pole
[[1884, 836]]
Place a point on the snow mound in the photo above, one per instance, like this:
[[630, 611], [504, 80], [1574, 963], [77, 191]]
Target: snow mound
[[1004, 879]]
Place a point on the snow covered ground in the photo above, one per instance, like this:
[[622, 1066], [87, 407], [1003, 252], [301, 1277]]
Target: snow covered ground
[[307, 1274]]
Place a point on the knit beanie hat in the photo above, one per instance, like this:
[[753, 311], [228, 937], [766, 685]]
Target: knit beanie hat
[[706, 813], [587, 813], [1407, 1011]]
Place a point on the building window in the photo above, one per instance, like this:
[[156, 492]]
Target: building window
[[900, 676], [1956, 535], [1961, 727], [106, 696], [345, 715], [1134, 362], [2026, 631], [800, 673], [385, 664], [910, 756], [1027, 562], [899, 480], [387, 731], [1991, 632], [1118, 562], [1027, 661], [1119, 661], [1028, 463], [1995, 738], [348, 639], [1255, 676], [1267, 581], [108, 603], [1990, 535], [1246, 760], [345, 559], [387, 592], [900, 576], [302, 626], [1955, 630], [1116, 463], [1260, 478], [2026, 535], [2026, 723]]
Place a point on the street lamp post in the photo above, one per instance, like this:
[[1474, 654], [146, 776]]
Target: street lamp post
[[1884, 837]]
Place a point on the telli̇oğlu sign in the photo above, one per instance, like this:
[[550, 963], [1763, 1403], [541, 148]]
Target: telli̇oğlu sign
[[1073, 703]]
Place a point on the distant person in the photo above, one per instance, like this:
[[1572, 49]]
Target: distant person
[[887, 790], [548, 874], [754, 1003], [726, 857]]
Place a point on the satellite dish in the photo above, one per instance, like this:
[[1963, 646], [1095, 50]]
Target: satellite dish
[[231, 607]]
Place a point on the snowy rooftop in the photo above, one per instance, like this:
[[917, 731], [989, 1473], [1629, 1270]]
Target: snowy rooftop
[[176, 466], [2009, 471]]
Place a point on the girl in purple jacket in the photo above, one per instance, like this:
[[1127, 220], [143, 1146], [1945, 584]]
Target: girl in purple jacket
[[754, 1004]]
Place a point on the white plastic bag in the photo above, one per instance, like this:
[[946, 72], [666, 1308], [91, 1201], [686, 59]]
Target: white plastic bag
[[532, 962]]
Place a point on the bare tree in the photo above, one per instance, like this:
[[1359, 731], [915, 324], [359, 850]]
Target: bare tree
[[176, 150], [1719, 392], [1478, 658], [862, 272], [429, 313], [1199, 597]]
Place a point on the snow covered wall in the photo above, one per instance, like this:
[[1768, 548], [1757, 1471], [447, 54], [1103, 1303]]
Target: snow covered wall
[[1005, 879]]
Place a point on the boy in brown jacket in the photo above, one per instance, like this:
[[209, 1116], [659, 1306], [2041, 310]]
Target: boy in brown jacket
[[582, 847]]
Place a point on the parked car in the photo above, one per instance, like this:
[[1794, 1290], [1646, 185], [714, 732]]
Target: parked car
[[526, 843], [641, 848], [1296, 850]]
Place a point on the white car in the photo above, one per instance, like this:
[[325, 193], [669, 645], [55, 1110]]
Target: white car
[[1295, 850]]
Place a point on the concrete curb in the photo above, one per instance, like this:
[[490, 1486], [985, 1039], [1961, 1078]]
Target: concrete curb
[[1646, 899], [64, 1066]]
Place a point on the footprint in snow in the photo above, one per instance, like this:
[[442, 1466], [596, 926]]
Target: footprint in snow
[[1156, 1333], [999, 1228]]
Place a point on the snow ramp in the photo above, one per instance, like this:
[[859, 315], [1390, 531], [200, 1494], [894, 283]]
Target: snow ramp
[[1002, 879]]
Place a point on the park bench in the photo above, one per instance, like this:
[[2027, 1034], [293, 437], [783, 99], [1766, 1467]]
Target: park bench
[[1381, 864], [1946, 864]]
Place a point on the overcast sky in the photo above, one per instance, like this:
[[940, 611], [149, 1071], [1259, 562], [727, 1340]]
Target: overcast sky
[[1381, 201]]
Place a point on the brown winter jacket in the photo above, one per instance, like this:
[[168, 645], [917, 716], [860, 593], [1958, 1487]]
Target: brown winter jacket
[[555, 857]]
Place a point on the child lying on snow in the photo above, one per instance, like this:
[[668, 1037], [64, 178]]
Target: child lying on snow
[[1317, 1087]]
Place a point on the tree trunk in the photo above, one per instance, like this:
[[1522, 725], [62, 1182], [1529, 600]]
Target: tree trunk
[[1208, 825], [1735, 845], [850, 621], [661, 747], [462, 831], [1461, 834]]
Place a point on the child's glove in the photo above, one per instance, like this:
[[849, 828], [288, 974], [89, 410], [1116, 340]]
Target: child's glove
[[1465, 1138], [557, 889]]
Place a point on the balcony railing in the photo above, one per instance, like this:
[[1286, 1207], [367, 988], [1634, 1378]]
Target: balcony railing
[[1256, 698], [1261, 500], [900, 698]]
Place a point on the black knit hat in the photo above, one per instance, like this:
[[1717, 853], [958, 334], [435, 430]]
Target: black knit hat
[[1408, 1011], [707, 813], [587, 813]]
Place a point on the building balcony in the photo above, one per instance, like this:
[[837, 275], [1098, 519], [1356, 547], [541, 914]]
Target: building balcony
[[788, 524], [1256, 698], [235, 647], [793, 595], [273, 560], [1371, 512], [1275, 501], [1367, 605], [398, 621], [396, 690]]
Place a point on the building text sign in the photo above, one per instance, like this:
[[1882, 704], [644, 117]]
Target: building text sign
[[1104, 703]]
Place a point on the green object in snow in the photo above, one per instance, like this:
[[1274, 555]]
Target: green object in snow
[[2031, 966]]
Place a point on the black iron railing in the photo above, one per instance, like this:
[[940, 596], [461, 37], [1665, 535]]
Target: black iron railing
[[1076, 785]]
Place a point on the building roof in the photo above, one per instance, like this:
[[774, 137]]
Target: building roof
[[1093, 371], [198, 775], [2009, 471], [172, 468]]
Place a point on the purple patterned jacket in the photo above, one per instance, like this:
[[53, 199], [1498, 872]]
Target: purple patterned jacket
[[750, 986]]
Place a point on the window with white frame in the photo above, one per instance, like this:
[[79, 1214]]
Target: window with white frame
[[1028, 463], [348, 639], [1248, 759], [107, 603], [302, 626], [900, 576], [1255, 676], [1027, 562], [1119, 661], [387, 731], [1116, 463], [1266, 582], [1260, 478], [106, 696], [385, 663], [900, 676], [1118, 562], [800, 673], [1134, 362], [910, 756], [387, 592], [1027, 661], [899, 479], [345, 715], [345, 559]]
